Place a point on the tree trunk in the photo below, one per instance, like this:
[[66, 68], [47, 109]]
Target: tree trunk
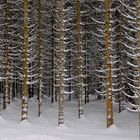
[[52, 77], [78, 46], [40, 47], [6, 56], [52, 74], [108, 65], [61, 66], [25, 64]]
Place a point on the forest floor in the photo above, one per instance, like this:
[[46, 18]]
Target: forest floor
[[92, 126]]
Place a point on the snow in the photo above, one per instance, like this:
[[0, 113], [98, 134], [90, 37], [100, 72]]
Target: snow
[[92, 124]]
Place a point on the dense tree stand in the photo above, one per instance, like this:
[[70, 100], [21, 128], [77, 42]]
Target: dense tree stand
[[64, 52]]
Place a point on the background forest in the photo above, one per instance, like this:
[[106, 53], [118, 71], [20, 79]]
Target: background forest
[[63, 51]]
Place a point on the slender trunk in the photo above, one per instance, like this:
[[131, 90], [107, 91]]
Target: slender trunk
[[78, 46], [86, 72], [56, 67], [52, 84], [56, 87], [61, 66], [6, 56], [52, 74], [86, 79], [40, 47], [25, 64], [69, 73], [49, 90], [109, 105]]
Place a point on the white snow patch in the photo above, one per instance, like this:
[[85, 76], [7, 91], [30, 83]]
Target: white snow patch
[[92, 124]]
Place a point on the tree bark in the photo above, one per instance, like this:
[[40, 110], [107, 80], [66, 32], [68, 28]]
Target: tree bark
[[40, 47], [109, 108], [61, 66], [25, 64], [6, 99], [78, 47]]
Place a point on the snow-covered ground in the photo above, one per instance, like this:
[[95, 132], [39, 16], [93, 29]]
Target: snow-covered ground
[[92, 126]]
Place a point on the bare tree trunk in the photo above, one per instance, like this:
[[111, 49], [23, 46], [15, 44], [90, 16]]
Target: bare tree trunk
[[52, 77], [52, 74], [25, 64], [78, 46], [69, 73], [109, 107], [40, 47], [6, 56], [61, 64]]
